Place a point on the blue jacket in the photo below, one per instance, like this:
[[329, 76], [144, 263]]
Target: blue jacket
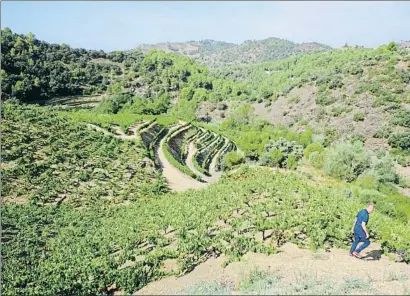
[[362, 216]]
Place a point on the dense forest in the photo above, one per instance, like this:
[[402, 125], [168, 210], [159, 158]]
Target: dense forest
[[33, 70]]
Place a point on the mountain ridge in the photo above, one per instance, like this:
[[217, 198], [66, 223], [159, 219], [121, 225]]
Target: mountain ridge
[[215, 53]]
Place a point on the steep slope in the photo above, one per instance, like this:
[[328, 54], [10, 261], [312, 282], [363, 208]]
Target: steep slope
[[257, 51], [49, 159], [351, 91], [215, 54], [293, 271], [190, 48], [36, 71], [118, 247]]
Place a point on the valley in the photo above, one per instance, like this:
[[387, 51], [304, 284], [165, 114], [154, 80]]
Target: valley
[[203, 167]]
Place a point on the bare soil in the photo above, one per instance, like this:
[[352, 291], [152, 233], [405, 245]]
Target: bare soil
[[292, 263], [176, 180]]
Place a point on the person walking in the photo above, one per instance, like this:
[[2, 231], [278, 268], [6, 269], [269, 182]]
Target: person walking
[[360, 231]]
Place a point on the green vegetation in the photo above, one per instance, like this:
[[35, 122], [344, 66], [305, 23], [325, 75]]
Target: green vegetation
[[232, 159], [326, 72], [282, 154], [94, 239], [124, 120], [256, 51], [400, 140], [85, 211], [48, 158], [314, 147], [402, 118], [171, 156], [143, 84], [252, 134], [346, 161], [359, 116], [349, 160]]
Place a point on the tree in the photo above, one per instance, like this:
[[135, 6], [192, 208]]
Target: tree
[[186, 93], [392, 46], [346, 160]]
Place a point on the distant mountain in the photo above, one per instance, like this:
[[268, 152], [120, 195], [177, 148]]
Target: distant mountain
[[217, 53], [190, 48]]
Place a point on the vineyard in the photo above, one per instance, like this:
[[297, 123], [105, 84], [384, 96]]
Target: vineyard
[[117, 180], [56, 245], [79, 192]]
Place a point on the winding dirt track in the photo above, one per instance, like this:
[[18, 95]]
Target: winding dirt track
[[176, 180], [118, 131], [132, 130]]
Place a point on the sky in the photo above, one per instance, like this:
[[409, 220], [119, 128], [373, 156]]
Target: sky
[[119, 25]]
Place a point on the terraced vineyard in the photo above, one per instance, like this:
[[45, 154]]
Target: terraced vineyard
[[172, 166], [182, 151]]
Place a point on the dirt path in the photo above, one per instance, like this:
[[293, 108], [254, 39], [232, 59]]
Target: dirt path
[[133, 129], [176, 180], [294, 265], [99, 129], [118, 131]]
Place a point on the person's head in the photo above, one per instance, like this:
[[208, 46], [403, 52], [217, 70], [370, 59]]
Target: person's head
[[370, 207]]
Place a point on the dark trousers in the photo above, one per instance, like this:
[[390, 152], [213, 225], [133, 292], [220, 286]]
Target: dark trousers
[[357, 239]]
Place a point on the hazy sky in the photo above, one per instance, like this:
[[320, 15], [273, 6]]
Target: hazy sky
[[124, 25]]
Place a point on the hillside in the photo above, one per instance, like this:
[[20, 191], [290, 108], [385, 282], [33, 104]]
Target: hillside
[[139, 242], [190, 48], [137, 167], [256, 51], [215, 54], [351, 91], [36, 71]]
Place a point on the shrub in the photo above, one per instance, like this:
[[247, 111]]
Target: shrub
[[392, 46], [314, 147], [357, 137], [403, 182], [384, 170], [278, 152], [318, 138], [222, 106], [331, 134], [317, 159], [402, 160], [400, 140], [113, 103], [346, 160], [359, 116], [232, 159], [291, 162], [383, 132], [305, 138], [402, 118], [325, 99], [367, 181], [273, 158]]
